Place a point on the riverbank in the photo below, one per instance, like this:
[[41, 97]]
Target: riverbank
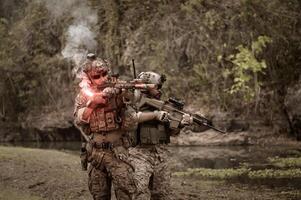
[[35, 174]]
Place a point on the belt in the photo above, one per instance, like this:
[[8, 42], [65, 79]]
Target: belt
[[108, 141], [107, 145], [101, 132], [103, 145]]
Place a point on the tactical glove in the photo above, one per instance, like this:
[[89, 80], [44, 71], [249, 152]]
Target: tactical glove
[[186, 120], [161, 115], [96, 100]]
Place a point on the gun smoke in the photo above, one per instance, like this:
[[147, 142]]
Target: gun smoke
[[80, 34]]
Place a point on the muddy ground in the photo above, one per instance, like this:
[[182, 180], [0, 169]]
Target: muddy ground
[[33, 174]]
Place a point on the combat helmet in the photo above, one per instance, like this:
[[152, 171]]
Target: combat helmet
[[94, 66], [152, 78]]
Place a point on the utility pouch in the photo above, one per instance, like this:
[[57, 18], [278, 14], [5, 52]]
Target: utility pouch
[[110, 119], [163, 134], [97, 157], [153, 134], [97, 120], [148, 134], [83, 157], [89, 149]]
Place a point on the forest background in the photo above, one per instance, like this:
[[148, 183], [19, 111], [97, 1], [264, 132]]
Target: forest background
[[236, 61]]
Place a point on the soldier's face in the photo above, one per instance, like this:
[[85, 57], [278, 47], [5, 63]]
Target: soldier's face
[[100, 79], [155, 93]]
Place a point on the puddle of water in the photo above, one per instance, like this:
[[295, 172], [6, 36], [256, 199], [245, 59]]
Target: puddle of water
[[253, 157], [228, 157]]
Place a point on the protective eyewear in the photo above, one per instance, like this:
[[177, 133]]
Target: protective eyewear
[[98, 76]]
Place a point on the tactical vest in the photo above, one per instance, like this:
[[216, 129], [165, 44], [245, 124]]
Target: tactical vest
[[107, 118], [152, 132]]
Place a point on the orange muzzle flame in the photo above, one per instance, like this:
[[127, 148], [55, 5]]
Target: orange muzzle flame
[[88, 92]]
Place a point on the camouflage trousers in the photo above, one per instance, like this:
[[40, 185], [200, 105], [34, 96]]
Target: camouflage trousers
[[106, 169], [152, 174]]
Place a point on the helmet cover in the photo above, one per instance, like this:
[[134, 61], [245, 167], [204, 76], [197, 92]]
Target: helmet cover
[[152, 78]]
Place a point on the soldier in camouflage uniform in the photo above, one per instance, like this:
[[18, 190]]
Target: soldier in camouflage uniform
[[149, 156], [101, 114]]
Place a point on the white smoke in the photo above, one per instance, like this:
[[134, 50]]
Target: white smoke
[[80, 40], [80, 34], [59, 7]]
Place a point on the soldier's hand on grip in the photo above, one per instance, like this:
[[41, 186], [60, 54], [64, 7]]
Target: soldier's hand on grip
[[161, 115], [96, 100], [186, 120]]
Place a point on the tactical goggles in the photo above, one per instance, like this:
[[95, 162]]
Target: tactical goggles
[[100, 75]]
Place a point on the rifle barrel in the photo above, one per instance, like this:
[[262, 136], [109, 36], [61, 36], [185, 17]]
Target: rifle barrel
[[208, 125]]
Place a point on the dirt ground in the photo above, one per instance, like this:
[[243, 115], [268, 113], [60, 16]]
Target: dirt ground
[[41, 174], [35, 174]]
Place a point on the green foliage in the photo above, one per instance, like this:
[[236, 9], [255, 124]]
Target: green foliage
[[212, 19], [246, 66], [214, 173], [4, 39], [289, 168], [201, 72], [285, 162], [241, 173], [190, 5], [156, 34], [273, 173], [3, 27]]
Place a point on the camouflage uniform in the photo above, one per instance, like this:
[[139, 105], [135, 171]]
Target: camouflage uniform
[[152, 173], [149, 156], [106, 125]]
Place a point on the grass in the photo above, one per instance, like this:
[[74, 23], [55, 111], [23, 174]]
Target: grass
[[285, 162], [275, 173], [231, 173], [214, 173], [288, 168]]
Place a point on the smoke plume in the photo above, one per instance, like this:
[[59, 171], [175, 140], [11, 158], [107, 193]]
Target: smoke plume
[[80, 34]]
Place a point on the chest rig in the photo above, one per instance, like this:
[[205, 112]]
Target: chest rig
[[152, 132], [107, 118]]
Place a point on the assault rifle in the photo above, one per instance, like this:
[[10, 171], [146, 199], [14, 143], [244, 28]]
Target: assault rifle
[[132, 84], [121, 84], [175, 111]]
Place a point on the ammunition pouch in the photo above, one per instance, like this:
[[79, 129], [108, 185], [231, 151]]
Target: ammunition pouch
[[153, 133], [104, 121], [107, 118], [84, 157]]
